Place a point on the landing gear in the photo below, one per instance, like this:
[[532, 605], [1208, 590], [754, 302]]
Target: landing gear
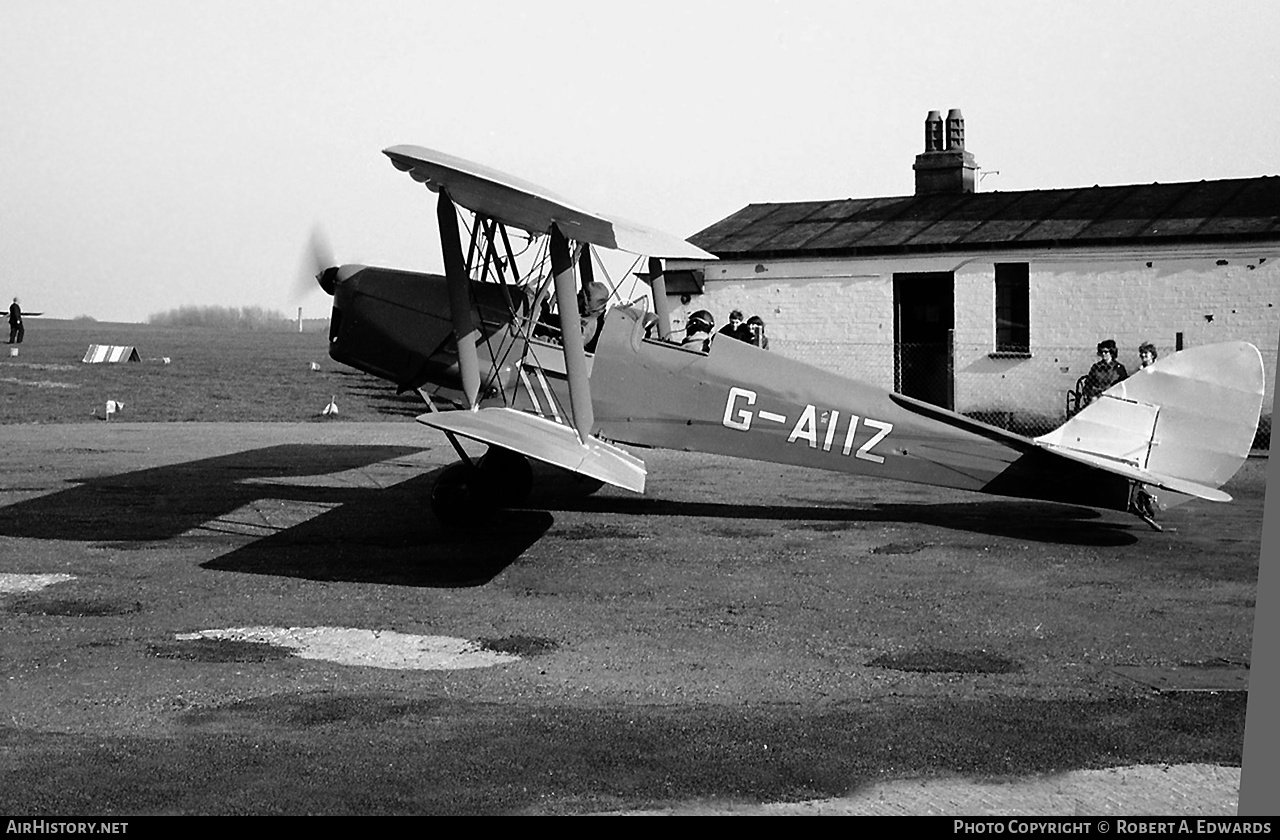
[[509, 475], [585, 485], [467, 491], [1144, 505], [458, 495]]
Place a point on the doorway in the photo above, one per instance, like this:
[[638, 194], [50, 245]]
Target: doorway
[[923, 333]]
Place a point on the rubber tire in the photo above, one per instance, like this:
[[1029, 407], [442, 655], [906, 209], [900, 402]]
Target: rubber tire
[[458, 497], [508, 476]]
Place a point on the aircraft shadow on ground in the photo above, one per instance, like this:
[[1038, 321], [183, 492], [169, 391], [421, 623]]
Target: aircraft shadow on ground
[[1016, 519], [388, 534], [363, 533]]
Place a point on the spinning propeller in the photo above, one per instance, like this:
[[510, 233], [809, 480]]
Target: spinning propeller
[[319, 266]]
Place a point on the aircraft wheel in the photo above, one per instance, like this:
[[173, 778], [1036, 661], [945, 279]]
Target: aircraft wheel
[[586, 485], [508, 475], [459, 495]]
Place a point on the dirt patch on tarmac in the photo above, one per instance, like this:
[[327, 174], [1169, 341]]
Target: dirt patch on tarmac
[[939, 661], [72, 607], [219, 650]]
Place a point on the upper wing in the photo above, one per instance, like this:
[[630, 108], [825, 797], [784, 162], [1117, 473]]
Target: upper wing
[[529, 207]]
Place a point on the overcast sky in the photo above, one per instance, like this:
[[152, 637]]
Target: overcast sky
[[161, 154]]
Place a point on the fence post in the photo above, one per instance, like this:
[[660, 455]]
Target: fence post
[[951, 369]]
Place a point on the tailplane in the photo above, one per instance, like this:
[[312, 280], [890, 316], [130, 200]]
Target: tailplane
[[1184, 424]]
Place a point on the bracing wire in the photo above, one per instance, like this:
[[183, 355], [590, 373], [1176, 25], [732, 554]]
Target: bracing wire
[[537, 278]]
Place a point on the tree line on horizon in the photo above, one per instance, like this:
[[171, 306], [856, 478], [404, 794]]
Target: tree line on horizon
[[223, 317]]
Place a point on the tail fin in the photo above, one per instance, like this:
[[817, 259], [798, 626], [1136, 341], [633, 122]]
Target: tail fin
[[1190, 417]]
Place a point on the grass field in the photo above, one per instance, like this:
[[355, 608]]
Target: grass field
[[213, 375]]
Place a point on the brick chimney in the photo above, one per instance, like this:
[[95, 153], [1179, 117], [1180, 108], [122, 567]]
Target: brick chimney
[[944, 166]]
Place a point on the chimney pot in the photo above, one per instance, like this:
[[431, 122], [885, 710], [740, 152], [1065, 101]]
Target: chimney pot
[[955, 129], [945, 166], [933, 137]]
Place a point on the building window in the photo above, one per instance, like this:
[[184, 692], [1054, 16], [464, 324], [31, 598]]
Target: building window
[[1013, 309]]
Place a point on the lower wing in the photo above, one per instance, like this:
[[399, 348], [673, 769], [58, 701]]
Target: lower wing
[[543, 440]]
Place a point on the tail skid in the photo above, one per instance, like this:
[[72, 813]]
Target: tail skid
[[1185, 424]]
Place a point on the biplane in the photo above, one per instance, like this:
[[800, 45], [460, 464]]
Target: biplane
[[531, 364]]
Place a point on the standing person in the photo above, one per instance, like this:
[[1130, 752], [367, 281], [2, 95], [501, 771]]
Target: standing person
[[16, 330], [1147, 352], [734, 328], [756, 336], [1105, 372]]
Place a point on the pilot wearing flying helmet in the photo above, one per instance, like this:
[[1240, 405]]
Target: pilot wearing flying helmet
[[697, 331]]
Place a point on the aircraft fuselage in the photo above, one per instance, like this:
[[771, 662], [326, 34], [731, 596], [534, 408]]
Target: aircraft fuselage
[[739, 400]]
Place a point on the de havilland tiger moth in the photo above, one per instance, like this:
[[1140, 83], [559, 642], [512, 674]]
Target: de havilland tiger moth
[[484, 346]]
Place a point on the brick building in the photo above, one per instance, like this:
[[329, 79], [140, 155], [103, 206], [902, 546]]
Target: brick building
[[992, 303]]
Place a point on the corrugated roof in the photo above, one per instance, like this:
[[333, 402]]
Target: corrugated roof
[[1239, 210]]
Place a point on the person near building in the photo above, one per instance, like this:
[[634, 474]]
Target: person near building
[[735, 328], [1105, 372], [755, 332], [1147, 353]]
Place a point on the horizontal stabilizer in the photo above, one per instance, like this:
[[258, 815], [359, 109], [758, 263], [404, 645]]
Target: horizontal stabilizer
[[1115, 428], [543, 440], [1122, 467]]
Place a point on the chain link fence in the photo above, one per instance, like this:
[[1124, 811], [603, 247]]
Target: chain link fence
[[1027, 393]]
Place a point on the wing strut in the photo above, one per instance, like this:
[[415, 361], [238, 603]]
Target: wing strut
[[575, 360], [661, 308], [465, 329]]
